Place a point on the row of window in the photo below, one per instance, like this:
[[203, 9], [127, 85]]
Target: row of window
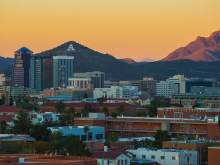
[[119, 162], [89, 137], [161, 157], [122, 162]]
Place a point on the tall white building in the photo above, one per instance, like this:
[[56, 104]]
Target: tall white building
[[167, 156], [180, 80], [173, 85], [165, 88]]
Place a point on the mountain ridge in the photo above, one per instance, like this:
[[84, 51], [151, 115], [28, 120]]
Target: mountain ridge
[[201, 49], [87, 59]]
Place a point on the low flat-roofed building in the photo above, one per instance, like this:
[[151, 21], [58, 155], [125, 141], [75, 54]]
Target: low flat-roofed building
[[16, 137], [85, 133], [191, 100], [187, 112], [66, 94], [128, 126], [35, 159]]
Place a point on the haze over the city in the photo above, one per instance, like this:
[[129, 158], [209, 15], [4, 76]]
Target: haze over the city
[[137, 29]]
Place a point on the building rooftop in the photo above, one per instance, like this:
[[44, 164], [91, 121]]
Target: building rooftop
[[15, 137], [72, 127], [45, 159], [189, 141], [110, 154], [24, 50], [158, 119], [190, 108], [160, 150]]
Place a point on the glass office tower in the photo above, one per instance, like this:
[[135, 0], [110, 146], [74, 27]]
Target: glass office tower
[[62, 70]]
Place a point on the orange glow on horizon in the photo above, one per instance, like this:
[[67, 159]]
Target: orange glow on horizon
[[138, 29]]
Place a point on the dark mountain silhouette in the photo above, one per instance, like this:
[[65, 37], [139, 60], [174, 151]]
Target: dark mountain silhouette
[[164, 69], [87, 59], [6, 65], [202, 49], [128, 60]]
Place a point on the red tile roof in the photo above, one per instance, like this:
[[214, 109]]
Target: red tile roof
[[111, 154], [11, 109]]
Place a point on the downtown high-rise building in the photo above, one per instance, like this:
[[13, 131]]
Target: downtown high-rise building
[[41, 72], [51, 71], [62, 70], [21, 67]]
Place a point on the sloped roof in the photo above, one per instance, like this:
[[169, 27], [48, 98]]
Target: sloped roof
[[111, 154]]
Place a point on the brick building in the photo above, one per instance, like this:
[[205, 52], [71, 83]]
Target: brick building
[[190, 113], [190, 100], [141, 126], [130, 109]]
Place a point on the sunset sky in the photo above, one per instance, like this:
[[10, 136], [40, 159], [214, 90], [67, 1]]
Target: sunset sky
[[137, 29]]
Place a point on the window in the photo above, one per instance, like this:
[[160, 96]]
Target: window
[[83, 137], [90, 136], [99, 136], [143, 157], [152, 156], [162, 157], [126, 162], [173, 158], [118, 162]]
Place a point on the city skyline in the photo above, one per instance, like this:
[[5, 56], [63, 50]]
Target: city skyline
[[137, 30]]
